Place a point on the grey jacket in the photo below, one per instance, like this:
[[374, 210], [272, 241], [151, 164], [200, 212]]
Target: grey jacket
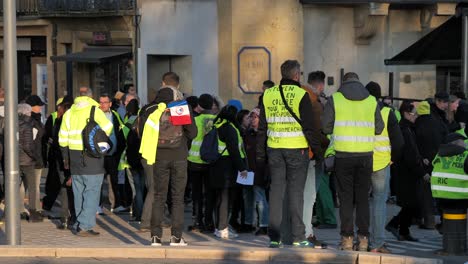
[[352, 90]]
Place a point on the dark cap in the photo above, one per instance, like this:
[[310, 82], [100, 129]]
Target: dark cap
[[443, 96], [205, 101], [454, 137], [34, 100]]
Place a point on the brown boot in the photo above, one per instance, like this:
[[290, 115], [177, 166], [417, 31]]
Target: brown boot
[[363, 243], [347, 243]]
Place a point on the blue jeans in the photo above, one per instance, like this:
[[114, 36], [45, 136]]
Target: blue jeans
[[380, 188], [262, 206], [139, 196], [249, 203], [86, 191]]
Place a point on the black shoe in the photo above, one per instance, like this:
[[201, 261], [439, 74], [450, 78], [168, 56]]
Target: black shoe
[[423, 226], [393, 230], [262, 231], [236, 226], [197, 228], [209, 229], [317, 243], [246, 229], [327, 226], [62, 225], [87, 233], [156, 241], [134, 220], [24, 216], [407, 238]]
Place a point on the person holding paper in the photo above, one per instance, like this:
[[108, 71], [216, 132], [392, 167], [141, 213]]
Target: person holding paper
[[225, 170]]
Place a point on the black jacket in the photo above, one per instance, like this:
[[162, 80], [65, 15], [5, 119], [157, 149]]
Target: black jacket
[[409, 167], [311, 133], [260, 169], [430, 134], [352, 90], [26, 143], [40, 141], [225, 170]]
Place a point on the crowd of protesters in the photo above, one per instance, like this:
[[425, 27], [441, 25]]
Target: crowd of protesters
[[307, 153]]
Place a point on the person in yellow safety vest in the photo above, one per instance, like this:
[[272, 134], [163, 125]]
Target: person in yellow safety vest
[[170, 163], [225, 170], [198, 170], [387, 147], [449, 179], [111, 160], [53, 184], [353, 118], [287, 141], [87, 172], [134, 173]]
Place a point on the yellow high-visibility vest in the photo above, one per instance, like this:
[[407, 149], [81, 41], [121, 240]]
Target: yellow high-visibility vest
[[204, 124], [149, 139], [75, 120], [354, 128], [283, 130], [222, 145], [382, 147]]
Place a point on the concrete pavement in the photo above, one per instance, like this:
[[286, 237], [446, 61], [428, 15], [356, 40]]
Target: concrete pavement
[[119, 239]]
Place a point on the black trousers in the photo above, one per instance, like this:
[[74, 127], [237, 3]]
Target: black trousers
[[403, 220], [110, 165], [353, 175], [200, 178], [53, 185], [173, 175]]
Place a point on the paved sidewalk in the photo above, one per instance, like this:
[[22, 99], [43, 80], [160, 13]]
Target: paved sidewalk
[[121, 239]]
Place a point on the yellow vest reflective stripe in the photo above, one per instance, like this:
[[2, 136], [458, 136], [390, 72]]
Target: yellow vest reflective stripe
[[204, 124], [449, 180], [75, 119], [283, 130], [222, 146], [382, 147], [149, 139], [354, 128], [119, 119]]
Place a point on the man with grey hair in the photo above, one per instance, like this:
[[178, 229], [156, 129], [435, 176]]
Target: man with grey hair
[[87, 172], [287, 129], [353, 118]]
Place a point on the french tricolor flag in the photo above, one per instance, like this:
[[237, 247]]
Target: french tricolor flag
[[180, 113]]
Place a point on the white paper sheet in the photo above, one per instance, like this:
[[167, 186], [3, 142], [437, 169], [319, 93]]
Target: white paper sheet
[[249, 180]]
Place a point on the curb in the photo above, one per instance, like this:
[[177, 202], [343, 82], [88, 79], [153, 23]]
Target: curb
[[205, 253]]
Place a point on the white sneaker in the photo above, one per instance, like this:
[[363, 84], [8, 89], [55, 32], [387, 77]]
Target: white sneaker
[[226, 234], [156, 241], [178, 242]]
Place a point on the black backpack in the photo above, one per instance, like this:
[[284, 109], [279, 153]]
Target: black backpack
[[96, 143], [209, 148]]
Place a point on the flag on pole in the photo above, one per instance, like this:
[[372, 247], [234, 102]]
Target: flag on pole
[[180, 113]]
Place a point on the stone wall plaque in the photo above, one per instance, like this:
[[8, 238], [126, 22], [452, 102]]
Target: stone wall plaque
[[253, 67]]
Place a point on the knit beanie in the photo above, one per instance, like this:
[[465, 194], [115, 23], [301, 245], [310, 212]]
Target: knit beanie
[[423, 108], [205, 101]]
